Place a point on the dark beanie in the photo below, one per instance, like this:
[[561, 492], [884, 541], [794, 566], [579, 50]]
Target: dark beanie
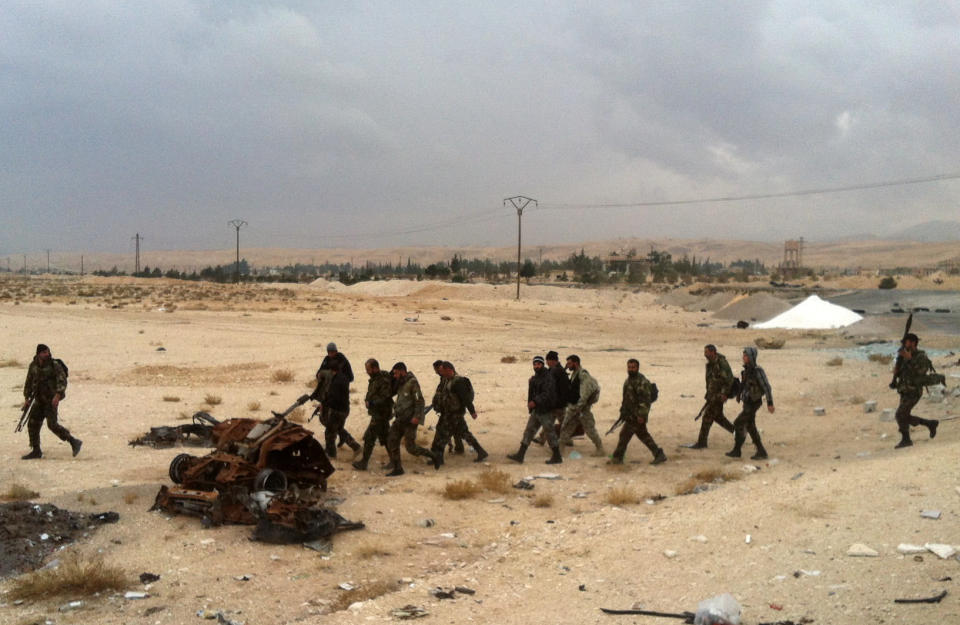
[[42, 348]]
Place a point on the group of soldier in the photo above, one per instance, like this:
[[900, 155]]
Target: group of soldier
[[559, 403]]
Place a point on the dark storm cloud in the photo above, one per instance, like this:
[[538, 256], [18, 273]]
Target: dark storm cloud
[[327, 124]]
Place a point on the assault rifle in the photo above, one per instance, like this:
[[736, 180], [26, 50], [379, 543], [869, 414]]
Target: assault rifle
[[700, 414], [24, 414], [899, 361]]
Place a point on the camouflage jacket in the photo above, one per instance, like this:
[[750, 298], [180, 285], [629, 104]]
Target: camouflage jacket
[[915, 374], [379, 397], [44, 381], [719, 378], [409, 404], [587, 389], [453, 397], [542, 391], [637, 396], [435, 402]]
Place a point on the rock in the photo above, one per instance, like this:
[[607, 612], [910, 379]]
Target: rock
[[73, 605], [819, 411], [523, 485], [748, 539], [356, 606], [941, 550], [579, 495], [870, 406], [887, 414], [700, 538], [346, 586], [148, 578], [549, 476], [441, 593], [909, 550], [930, 514], [859, 550], [749, 468], [426, 522], [670, 553]]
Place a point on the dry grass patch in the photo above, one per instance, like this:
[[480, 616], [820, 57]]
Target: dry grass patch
[[253, 406], [543, 500], [621, 496], [765, 343], [10, 362], [171, 398], [18, 492], [299, 415], [282, 375], [371, 550], [367, 591], [707, 476], [508, 360], [77, 575], [129, 497], [836, 361], [462, 489], [212, 400], [883, 359], [494, 480]]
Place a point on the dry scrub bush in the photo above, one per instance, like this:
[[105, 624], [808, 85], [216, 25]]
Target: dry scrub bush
[[836, 361], [371, 550], [508, 360], [463, 489], [18, 492], [857, 399], [253, 406], [764, 343], [129, 497], [365, 592], [10, 362], [212, 400], [494, 480], [171, 398], [621, 496], [707, 476], [543, 500], [298, 415], [883, 359], [77, 575], [282, 375]]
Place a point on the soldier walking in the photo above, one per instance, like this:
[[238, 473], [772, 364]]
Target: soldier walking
[[45, 387], [455, 399], [584, 392], [438, 409], [542, 401], [753, 387], [720, 379], [915, 372], [336, 409], [379, 403], [332, 355], [561, 383], [638, 394], [408, 413]]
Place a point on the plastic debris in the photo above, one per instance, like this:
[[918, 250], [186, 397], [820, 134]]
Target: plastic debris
[[930, 514], [941, 550], [720, 610], [859, 550]]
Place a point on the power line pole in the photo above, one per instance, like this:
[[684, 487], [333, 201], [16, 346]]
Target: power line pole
[[136, 263], [48, 261], [519, 202], [81, 265], [237, 223]]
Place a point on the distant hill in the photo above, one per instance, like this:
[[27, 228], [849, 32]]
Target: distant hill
[[933, 231]]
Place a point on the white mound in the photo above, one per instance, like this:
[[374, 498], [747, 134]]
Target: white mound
[[813, 313]]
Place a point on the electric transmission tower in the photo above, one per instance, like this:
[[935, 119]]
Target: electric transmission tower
[[519, 202], [237, 223]]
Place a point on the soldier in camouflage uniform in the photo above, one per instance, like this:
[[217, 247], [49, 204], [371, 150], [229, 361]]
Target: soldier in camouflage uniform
[[454, 401], [584, 392], [915, 372], [379, 403], [46, 386], [542, 401], [719, 382], [635, 411], [457, 447], [753, 387], [335, 409], [408, 413]]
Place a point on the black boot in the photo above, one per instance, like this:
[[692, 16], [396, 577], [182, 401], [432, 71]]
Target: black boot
[[75, 444], [659, 457], [734, 453], [35, 453], [398, 470], [904, 441], [437, 458], [518, 457], [760, 455], [361, 464], [556, 458], [458, 446], [932, 425], [481, 453]]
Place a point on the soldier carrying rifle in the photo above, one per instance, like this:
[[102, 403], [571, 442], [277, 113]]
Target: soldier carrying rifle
[[44, 389]]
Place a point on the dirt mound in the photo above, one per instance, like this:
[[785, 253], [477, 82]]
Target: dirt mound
[[31, 532], [756, 307]]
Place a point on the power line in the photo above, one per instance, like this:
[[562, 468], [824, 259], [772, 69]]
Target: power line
[[761, 196]]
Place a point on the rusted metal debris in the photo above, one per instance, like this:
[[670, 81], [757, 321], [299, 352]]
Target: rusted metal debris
[[269, 473], [199, 433]]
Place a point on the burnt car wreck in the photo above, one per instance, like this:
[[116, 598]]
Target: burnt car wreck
[[198, 433], [270, 473]]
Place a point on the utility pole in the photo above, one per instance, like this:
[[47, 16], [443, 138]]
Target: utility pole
[[81, 265], [519, 202], [136, 262], [48, 261], [24, 265], [237, 223]]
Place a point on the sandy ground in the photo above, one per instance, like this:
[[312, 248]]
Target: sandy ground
[[832, 480]]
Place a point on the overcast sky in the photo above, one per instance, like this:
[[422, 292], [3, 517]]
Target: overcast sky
[[333, 124]]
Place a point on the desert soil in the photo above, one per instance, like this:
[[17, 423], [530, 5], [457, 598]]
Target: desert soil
[[555, 554]]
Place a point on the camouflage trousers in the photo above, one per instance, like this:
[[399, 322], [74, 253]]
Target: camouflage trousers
[[539, 420], [334, 422], [452, 426], [406, 432], [377, 430], [712, 413], [746, 423], [44, 411], [904, 418], [584, 417], [631, 428]]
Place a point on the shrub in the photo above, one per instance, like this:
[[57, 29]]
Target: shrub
[[76, 576], [282, 375], [508, 359], [883, 359], [212, 400], [836, 361], [171, 398], [19, 492], [494, 480], [620, 496], [463, 489], [543, 500], [253, 406], [887, 283]]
